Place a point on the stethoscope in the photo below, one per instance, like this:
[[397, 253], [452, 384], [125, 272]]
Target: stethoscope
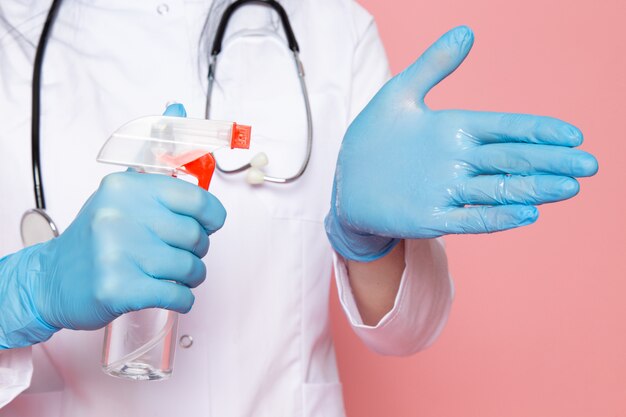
[[37, 226]]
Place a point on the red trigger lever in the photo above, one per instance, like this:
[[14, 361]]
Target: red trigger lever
[[201, 168]]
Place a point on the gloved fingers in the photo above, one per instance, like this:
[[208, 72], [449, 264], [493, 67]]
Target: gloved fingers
[[207, 210], [176, 195], [437, 62], [151, 293], [179, 231], [527, 159], [164, 262], [152, 223], [485, 219], [505, 190], [199, 204], [186, 199], [526, 128]]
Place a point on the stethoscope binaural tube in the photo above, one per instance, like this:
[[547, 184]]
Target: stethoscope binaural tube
[[40, 201], [257, 176], [36, 225]]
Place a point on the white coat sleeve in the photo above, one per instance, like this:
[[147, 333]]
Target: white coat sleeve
[[421, 306], [426, 290], [16, 370]]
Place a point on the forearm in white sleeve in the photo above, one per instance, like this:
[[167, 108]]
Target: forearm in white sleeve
[[421, 306], [16, 370]]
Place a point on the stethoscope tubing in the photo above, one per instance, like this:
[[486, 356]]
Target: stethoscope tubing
[[38, 186], [230, 10], [40, 200], [295, 50]]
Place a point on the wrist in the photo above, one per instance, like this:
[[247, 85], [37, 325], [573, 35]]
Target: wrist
[[20, 323], [355, 245]]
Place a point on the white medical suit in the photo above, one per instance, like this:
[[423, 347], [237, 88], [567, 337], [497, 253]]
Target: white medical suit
[[260, 327]]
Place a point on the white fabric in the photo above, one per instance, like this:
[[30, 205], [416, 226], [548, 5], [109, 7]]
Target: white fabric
[[420, 309], [262, 344], [16, 369]]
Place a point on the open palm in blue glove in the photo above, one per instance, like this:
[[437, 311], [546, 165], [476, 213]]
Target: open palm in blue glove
[[406, 171]]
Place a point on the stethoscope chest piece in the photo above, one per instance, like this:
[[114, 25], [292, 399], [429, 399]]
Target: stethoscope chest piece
[[37, 227]]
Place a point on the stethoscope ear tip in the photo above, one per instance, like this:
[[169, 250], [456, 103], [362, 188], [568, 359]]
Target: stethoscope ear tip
[[255, 176], [259, 160]]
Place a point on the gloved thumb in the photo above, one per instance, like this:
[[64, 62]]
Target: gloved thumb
[[175, 110], [439, 61]]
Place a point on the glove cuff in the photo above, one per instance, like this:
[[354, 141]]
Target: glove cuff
[[20, 325], [27, 334], [353, 245]]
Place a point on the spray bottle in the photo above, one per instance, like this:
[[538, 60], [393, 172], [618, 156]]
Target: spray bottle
[[140, 345]]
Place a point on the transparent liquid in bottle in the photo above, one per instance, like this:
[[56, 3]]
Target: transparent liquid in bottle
[[140, 345]]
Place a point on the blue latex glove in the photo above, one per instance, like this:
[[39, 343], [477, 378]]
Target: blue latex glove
[[134, 235], [406, 171]]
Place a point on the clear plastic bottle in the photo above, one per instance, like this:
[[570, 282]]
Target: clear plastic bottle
[[140, 345]]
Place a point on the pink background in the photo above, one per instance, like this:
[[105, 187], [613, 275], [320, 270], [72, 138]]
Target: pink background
[[539, 323]]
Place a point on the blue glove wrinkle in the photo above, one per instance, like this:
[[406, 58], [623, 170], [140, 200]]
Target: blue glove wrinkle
[[20, 327], [405, 171], [373, 247]]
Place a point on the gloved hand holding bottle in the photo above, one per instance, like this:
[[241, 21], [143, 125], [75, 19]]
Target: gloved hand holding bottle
[[406, 171], [137, 243]]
